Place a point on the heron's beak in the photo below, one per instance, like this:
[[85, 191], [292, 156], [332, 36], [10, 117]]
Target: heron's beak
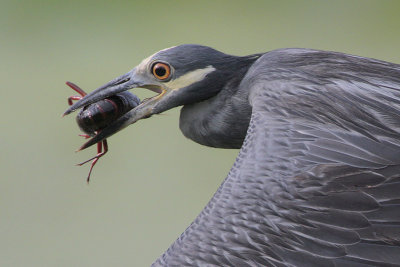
[[125, 82], [118, 85]]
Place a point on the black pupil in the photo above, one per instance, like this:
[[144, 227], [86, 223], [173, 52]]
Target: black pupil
[[160, 71]]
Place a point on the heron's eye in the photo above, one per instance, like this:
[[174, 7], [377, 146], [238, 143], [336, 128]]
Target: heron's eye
[[161, 71]]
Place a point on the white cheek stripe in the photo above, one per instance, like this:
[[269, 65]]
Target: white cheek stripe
[[189, 78]]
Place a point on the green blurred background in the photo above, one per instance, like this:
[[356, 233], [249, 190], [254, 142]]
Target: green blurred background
[[153, 182]]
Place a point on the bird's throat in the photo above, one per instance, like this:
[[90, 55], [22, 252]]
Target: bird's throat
[[220, 121]]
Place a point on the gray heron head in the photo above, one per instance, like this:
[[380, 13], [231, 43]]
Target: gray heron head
[[180, 75]]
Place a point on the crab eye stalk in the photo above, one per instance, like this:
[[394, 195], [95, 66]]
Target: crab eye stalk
[[161, 71]]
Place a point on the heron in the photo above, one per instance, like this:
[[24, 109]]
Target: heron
[[317, 178]]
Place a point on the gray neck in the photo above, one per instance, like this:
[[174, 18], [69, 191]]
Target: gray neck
[[220, 121]]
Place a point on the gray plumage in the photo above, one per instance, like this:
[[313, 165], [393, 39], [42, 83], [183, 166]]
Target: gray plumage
[[316, 182], [317, 179]]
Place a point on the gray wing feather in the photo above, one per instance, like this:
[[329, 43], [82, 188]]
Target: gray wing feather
[[317, 180]]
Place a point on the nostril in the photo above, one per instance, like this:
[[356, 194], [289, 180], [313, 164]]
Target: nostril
[[122, 81]]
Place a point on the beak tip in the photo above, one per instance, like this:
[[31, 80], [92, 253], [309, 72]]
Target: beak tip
[[85, 145], [68, 111]]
